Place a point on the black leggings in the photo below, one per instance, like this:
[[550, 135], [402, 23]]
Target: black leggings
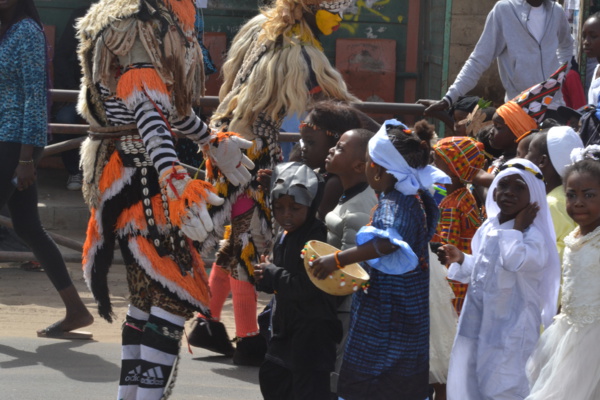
[[26, 220]]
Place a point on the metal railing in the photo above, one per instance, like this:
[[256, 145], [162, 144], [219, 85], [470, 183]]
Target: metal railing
[[211, 102]]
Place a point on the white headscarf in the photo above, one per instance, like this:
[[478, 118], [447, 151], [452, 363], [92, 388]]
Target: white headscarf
[[561, 140], [409, 180], [543, 222]]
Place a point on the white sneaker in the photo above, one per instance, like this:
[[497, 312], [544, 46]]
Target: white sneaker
[[75, 182]]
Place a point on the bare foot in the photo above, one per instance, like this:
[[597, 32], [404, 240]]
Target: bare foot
[[71, 322], [77, 320]]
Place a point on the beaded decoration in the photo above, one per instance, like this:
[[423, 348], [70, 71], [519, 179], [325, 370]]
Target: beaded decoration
[[314, 127], [365, 287]]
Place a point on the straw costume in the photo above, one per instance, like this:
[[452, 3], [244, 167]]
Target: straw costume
[[142, 74], [275, 67]]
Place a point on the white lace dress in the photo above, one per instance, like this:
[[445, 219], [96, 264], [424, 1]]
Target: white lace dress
[[566, 362], [442, 319]]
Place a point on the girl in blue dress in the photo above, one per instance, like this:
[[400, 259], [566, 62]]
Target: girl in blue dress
[[387, 353]]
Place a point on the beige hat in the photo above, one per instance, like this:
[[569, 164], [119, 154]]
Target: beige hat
[[343, 281]]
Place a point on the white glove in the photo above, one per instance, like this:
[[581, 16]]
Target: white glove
[[194, 222], [197, 223], [225, 152]]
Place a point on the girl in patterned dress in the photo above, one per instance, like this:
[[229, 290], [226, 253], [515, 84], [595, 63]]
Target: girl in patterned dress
[[387, 353], [461, 158]]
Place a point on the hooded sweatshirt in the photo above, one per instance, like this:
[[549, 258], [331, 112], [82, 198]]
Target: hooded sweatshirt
[[523, 61]]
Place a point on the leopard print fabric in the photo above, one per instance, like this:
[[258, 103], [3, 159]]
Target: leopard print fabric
[[146, 293]]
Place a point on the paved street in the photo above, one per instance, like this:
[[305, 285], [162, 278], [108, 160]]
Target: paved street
[[32, 368]]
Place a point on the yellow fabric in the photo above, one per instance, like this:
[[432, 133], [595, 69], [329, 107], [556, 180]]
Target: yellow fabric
[[516, 118], [563, 224]]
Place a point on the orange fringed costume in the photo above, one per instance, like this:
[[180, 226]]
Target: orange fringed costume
[[120, 73], [142, 74]]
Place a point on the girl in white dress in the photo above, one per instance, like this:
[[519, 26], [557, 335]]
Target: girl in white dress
[[513, 276], [566, 362]]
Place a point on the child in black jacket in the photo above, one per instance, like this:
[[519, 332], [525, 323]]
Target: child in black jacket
[[304, 325]]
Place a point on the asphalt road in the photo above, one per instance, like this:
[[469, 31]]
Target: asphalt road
[[32, 369]]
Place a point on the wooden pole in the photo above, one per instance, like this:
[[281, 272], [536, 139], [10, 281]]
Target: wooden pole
[[56, 148]]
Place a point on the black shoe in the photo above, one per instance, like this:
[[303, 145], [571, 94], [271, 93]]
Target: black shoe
[[250, 351], [210, 335]]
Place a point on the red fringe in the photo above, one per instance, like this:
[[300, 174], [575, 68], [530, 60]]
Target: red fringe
[[185, 12]]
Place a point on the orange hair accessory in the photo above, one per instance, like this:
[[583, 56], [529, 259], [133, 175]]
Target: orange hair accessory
[[518, 121], [527, 134]]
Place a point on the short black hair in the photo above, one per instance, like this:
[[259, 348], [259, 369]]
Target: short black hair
[[541, 140], [334, 116], [364, 135]]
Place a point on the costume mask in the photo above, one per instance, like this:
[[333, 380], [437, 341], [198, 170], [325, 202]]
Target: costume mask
[[329, 15]]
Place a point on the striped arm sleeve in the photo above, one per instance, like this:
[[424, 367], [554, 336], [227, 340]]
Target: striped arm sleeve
[[156, 136], [193, 128]]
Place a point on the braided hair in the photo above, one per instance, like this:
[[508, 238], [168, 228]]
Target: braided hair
[[414, 145]]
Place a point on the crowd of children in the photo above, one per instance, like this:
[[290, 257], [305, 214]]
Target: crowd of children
[[462, 239], [500, 234]]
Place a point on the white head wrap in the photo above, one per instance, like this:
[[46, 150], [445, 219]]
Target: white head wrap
[[561, 140], [409, 180], [543, 222]]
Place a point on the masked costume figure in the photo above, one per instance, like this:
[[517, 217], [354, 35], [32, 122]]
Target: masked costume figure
[[142, 73], [275, 67]]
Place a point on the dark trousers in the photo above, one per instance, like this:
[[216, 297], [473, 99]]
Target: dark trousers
[[22, 206], [279, 383]]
